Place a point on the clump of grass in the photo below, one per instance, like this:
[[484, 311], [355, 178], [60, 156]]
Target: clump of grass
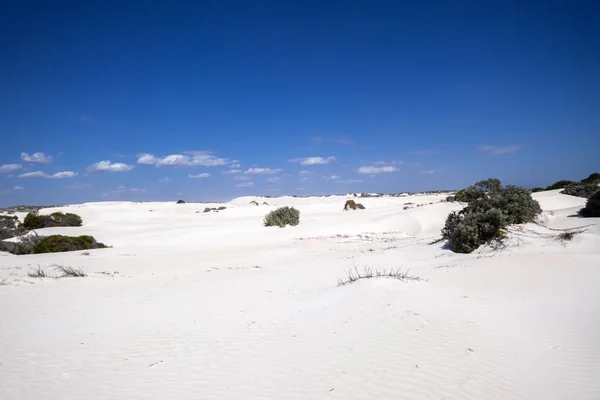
[[353, 275], [37, 273], [70, 272], [569, 234]]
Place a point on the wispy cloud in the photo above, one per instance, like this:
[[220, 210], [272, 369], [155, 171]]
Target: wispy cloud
[[394, 162], [234, 166], [499, 150], [189, 158], [424, 152], [58, 175], [108, 166], [262, 171], [304, 173], [9, 168], [316, 139], [313, 160], [123, 189], [242, 178], [16, 188], [376, 170], [346, 142], [349, 181], [199, 176], [245, 184], [166, 179], [334, 177], [36, 158], [273, 179], [427, 171], [233, 171]]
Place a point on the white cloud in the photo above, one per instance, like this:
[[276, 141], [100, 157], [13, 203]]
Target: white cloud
[[58, 175], [499, 150], [241, 178], [108, 166], [334, 177], [313, 160], [123, 189], [387, 162], [345, 141], [303, 173], [349, 181], [245, 184], [165, 180], [262, 171], [424, 152], [137, 190], [273, 179], [233, 171], [376, 170], [189, 158], [18, 188], [36, 158], [427, 171], [199, 176], [234, 166], [8, 168]]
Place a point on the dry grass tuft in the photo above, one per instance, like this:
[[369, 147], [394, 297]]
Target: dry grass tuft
[[353, 275]]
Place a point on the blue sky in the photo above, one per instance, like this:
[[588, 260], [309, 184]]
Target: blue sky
[[210, 100]]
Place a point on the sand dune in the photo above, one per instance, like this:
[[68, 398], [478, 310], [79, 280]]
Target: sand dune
[[190, 305]]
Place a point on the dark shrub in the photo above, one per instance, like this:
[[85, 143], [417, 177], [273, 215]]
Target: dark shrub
[[60, 243], [67, 219], [282, 216], [207, 209], [592, 207], [593, 178], [450, 199], [224, 208], [585, 190], [491, 209], [10, 227], [360, 206], [537, 189], [559, 185], [350, 205], [180, 202], [35, 221]]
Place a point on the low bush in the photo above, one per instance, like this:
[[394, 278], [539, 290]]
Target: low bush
[[350, 205], [585, 190], [450, 199], [537, 189], [35, 221], [592, 207], [360, 206], [10, 227], [282, 216], [559, 185], [491, 209], [593, 178], [180, 202], [60, 243]]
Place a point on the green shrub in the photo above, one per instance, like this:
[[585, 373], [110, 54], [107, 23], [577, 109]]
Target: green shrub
[[537, 189], [585, 190], [592, 207], [491, 209], [35, 221], [282, 216], [360, 206], [180, 202], [559, 185], [593, 178], [60, 243]]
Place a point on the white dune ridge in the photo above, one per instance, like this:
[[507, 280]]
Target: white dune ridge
[[188, 305]]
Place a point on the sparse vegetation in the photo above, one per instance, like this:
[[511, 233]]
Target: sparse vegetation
[[491, 208], [60, 243], [593, 178], [353, 275], [37, 273], [180, 202], [10, 227], [537, 189], [560, 185], [360, 206], [569, 234], [70, 272], [282, 216], [592, 207]]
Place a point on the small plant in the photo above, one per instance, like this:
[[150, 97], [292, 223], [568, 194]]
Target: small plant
[[353, 275], [569, 234], [38, 273], [86, 253], [180, 202], [537, 189], [360, 206], [70, 272], [282, 216], [592, 207], [35, 221], [450, 199]]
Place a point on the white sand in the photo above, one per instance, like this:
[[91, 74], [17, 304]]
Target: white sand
[[215, 306]]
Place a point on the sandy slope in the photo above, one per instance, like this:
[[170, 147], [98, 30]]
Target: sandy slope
[[189, 305]]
